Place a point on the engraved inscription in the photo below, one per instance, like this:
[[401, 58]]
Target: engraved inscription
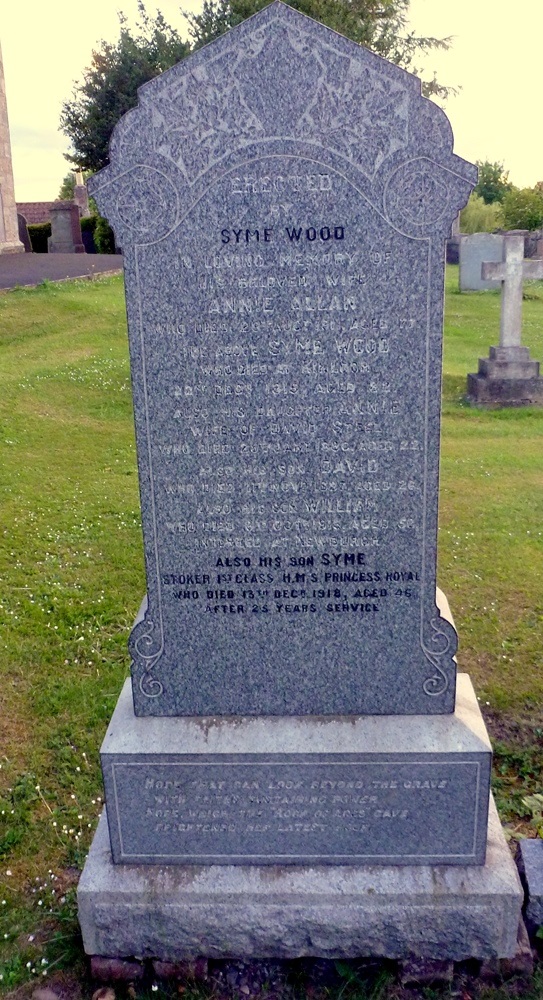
[[202, 809]]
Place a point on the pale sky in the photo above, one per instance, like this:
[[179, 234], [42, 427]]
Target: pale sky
[[495, 57]]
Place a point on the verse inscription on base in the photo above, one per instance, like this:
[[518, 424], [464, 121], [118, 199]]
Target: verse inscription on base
[[297, 811]]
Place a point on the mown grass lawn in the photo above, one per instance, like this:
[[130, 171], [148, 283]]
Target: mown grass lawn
[[72, 570]]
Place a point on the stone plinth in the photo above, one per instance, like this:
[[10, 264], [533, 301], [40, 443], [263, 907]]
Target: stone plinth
[[306, 790], [65, 229], [508, 377], [220, 911]]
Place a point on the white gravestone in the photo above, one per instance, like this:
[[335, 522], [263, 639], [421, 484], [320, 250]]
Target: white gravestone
[[474, 249], [508, 377]]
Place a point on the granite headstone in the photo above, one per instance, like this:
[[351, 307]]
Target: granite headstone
[[283, 198], [284, 263], [476, 248], [65, 228]]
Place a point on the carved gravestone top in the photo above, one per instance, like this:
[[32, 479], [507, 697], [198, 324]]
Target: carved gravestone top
[[283, 198]]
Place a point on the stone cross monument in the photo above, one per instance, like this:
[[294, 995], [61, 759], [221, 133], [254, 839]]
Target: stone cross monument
[[9, 230], [508, 377]]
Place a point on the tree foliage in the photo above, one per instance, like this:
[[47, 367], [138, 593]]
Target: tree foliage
[[493, 183], [523, 208], [67, 187], [478, 217], [109, 85]]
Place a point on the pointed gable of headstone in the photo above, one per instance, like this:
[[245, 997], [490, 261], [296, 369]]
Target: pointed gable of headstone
[[280, 81], [283, 197]]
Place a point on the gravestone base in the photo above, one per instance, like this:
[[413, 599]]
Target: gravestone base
[[294, 790], [65, 247], [14, 247], [508, 377], [174, 912]]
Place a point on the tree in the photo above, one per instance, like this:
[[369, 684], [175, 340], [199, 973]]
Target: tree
[[381, 25], [110, 84], [478, 217], [66, 192], [523, 209], [493, 183]]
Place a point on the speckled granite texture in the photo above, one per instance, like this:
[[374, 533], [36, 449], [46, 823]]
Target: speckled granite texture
[[283, 197], [252, 911], [298, 790]]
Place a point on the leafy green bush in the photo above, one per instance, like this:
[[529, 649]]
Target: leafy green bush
[[523, 208], [493, 183], [103, 236], [480, 217], [39, 233]]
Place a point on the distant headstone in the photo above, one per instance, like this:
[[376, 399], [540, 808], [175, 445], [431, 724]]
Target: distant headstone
[[509, 377], [474, 249], [23, 233], [283, 198], [65, 229], [531, 866], [81, 195]]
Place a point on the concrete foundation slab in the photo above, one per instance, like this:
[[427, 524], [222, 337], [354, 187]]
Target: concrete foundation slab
[[179, 912]]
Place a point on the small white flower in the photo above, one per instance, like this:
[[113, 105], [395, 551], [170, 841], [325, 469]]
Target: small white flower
[[30, 937]]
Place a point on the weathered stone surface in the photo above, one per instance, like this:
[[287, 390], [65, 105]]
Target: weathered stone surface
[[174, 913], [65, 229], [522, 962], [475, 249], [387, 790], [108, 968], [497, 392], [512, 271], [531, 867], [283, 198], [188, 971]]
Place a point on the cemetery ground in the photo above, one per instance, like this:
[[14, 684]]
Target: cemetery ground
[[73, 577]]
